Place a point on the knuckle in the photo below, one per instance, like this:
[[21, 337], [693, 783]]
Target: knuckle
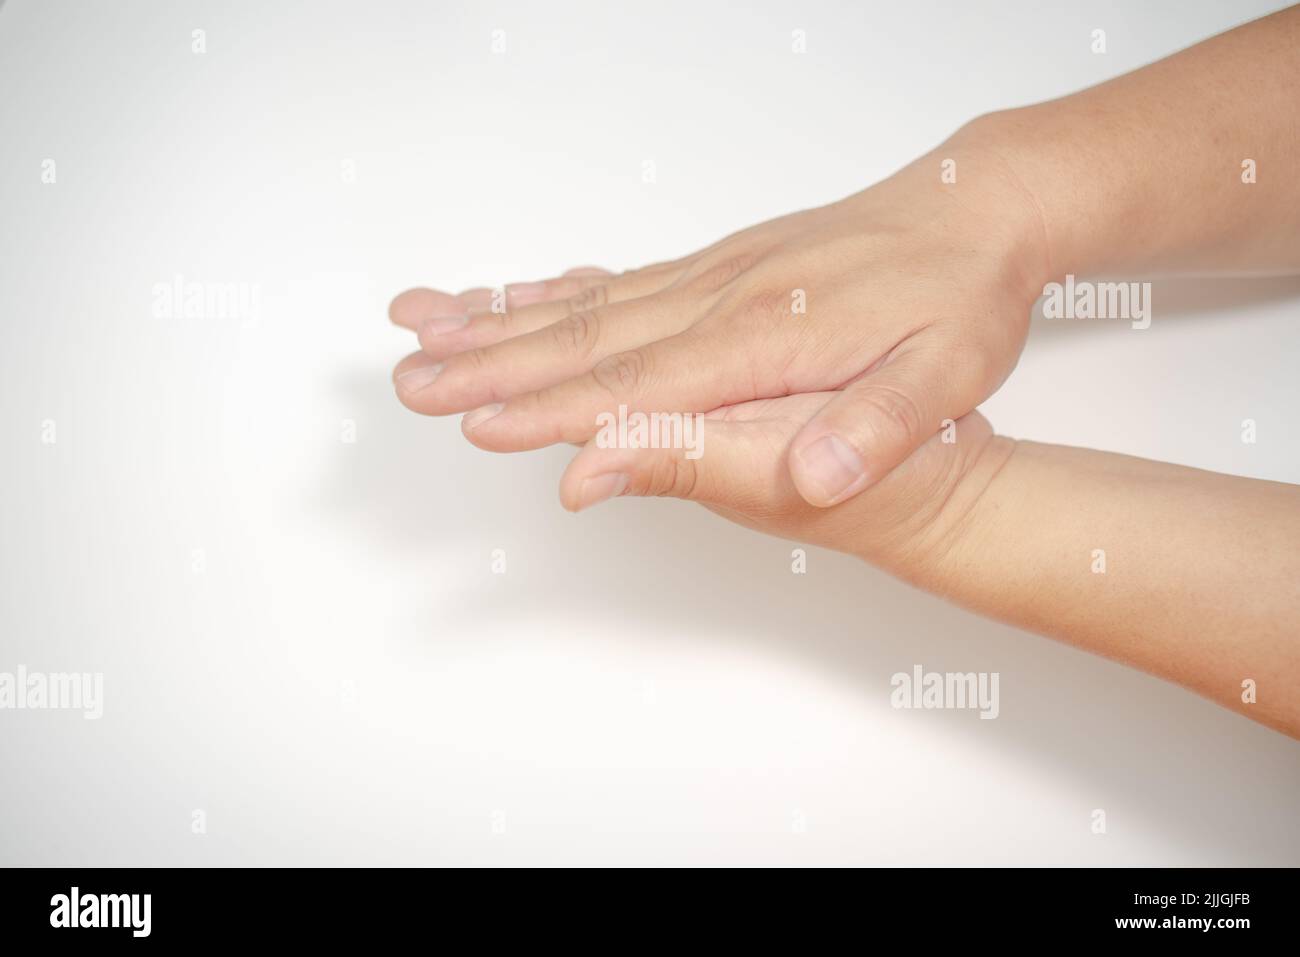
[[475, 359], [639, 272], [651, 269], [897, 408], [621, 373], [577, 332], [675, 477], [764, 304], [713, 276], [500, 324], [593, 297]]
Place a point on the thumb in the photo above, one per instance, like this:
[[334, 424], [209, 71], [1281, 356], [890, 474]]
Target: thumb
[[732, 465], [876, 422]]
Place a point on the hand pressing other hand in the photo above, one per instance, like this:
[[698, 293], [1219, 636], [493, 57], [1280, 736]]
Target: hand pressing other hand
[[828, 349], [910, 301], [903, 523], [1012, 529]]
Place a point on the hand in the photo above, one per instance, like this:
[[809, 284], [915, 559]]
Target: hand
[[906, 523], [917, 297]]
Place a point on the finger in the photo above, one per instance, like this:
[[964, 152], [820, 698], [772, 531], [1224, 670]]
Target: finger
[[448, 312], [480, 297], [412, 307], [577, 281], [735, 465], [666, 376], [583, 271], [879, 420], [444, 336], [548, 356], [441, 336], [721, 463], [520, 294], [418, 306]]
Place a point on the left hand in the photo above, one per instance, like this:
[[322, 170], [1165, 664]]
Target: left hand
[[917, 298]]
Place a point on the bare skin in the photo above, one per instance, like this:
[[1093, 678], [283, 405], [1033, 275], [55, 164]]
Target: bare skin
[[828, 425], [1201, 576], [917, 290]]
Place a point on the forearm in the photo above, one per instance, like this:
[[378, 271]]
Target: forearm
[[1144, 173], [1189, 575]]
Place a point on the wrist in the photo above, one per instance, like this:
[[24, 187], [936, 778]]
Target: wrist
[[1094, 205], [924, 522], [989, 150]]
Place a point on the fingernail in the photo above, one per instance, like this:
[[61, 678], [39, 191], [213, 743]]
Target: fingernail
[[419, 378], [525, 293], [437, 325], [476, 298], [598, 488], [443, 311], [833, 465], [480, 415]]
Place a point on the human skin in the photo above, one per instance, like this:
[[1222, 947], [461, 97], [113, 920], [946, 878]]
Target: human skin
[[918, 297], [1190, 575], [917, 291]]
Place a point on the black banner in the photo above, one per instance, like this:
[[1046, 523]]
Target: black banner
[[141, 907]]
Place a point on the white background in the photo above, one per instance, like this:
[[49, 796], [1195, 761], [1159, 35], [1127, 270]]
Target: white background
[[344, 679]]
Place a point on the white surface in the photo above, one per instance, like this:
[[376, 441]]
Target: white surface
[[347, 681]]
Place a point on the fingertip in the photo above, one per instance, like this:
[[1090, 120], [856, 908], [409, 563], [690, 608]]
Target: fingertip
[[520, 294], [412, 307], [437, 335], [407, 363], [471, 423], [600, 488], [571, 479], [596, 475], [479, 297], [411, 377], [827, 470], [568, 497]]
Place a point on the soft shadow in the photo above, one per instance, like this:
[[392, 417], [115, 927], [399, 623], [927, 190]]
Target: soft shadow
[[1179, 300], [1101, 727]]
